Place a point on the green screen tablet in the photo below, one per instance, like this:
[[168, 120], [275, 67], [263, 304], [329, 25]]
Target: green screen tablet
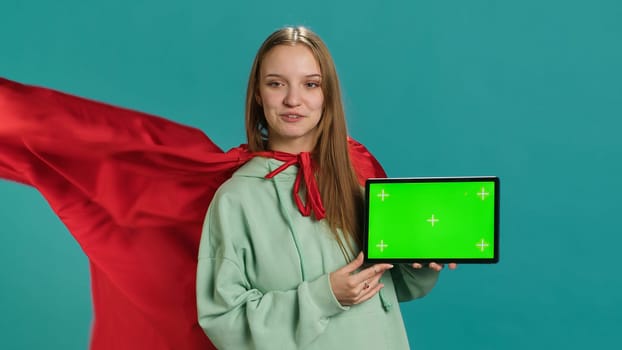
[[440, 219]]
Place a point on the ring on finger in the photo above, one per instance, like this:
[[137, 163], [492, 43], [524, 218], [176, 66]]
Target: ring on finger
[[365, 285]]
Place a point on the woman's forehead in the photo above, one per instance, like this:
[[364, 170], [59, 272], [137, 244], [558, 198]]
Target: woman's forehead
[[290, 60]]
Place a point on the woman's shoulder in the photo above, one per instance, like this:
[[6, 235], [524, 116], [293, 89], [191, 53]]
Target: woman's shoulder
[[245, 180]]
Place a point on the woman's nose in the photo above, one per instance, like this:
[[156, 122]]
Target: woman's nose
[[292, 98]]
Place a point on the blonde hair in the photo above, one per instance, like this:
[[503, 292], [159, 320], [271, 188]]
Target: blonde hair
[[337, 181]]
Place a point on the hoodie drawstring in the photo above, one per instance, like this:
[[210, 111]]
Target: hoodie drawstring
[[305, 172], [288, 219], [386, 304]]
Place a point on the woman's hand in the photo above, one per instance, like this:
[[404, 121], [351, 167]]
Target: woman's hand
[[351, 287], [436, 267]]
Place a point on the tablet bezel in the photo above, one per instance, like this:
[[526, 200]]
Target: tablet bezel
[[493, 260]]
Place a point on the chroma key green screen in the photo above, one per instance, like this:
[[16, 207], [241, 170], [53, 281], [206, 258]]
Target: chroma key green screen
[[432, 219]]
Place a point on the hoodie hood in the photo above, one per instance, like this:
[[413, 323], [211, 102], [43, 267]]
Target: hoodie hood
[[261, 166]]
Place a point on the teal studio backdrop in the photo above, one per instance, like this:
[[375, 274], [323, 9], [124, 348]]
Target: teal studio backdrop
[[527, 90]]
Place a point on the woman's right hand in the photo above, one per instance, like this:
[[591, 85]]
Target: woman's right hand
[[351, 287]]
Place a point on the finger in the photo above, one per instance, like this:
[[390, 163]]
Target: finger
[[368, 294], [354, 264], [364, 291], [365, 286], [357, 292], [369, 284], [371, 272], [436, 267], [379, 269], [453, 266]]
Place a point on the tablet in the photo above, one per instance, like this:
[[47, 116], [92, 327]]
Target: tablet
[[432, 219]]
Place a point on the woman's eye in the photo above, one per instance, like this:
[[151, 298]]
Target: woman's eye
[[313, 84], [274, 84]]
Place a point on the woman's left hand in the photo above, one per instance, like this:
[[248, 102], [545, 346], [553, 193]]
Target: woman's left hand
[[436, 267]]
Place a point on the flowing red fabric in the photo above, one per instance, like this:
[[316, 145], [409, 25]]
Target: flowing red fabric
[[133, 190]]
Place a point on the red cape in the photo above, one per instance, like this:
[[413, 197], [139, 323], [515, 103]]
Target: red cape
[[133, 190]]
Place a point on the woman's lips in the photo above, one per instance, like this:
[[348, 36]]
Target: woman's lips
[[291, 117]]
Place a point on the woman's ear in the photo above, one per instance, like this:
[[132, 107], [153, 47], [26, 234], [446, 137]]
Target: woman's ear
[[258, 99]]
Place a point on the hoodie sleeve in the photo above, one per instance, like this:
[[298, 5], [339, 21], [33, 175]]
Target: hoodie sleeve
[[412, 283], [233, 312]]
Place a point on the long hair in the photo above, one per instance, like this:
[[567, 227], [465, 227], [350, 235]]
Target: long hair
[[337, 181]]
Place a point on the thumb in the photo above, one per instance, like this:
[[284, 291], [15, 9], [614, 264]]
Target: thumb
[[354, 264]]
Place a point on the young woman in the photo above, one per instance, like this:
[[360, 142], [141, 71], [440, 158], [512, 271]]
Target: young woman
[[279, 263], [133, 190]]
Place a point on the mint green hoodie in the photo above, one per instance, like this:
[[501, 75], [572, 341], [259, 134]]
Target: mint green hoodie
[[263, 274]]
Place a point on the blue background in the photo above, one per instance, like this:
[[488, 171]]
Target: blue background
[[527, 90]]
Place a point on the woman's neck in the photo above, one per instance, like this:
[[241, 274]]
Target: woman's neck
[[292, 147]]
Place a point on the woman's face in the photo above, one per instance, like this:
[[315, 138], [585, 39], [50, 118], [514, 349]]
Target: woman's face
[[291, 95]]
